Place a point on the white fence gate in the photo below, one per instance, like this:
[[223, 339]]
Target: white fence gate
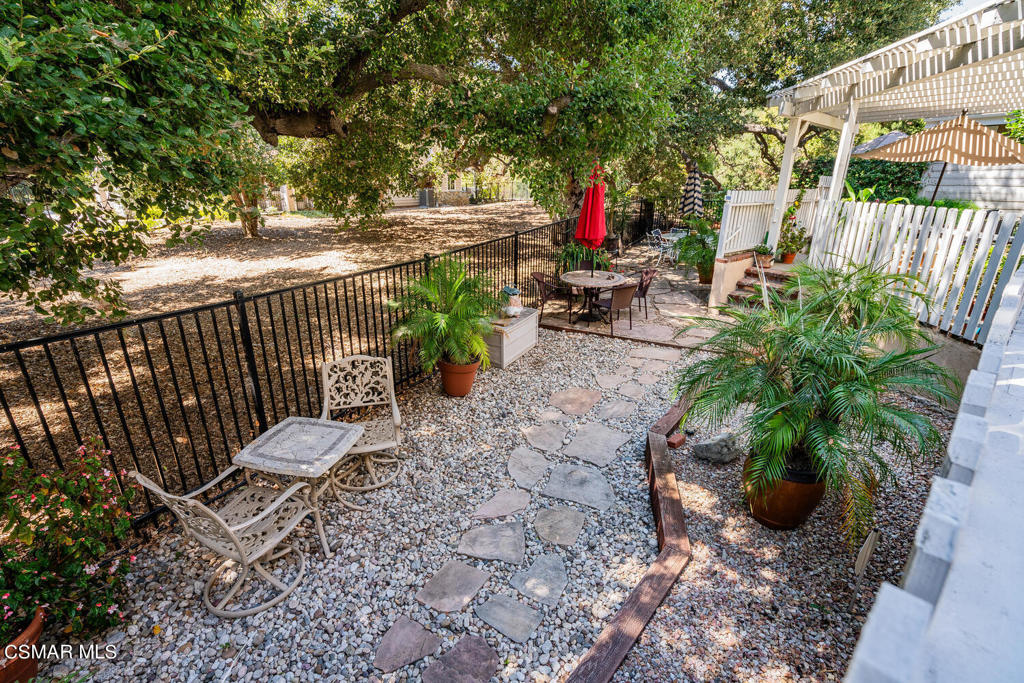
[[963, 258], [747, 213]]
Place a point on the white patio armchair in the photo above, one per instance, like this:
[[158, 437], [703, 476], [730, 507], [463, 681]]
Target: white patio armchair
[[247, 531], [364, 386]]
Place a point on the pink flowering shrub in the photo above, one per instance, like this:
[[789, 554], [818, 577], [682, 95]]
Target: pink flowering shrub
[[55, 531]]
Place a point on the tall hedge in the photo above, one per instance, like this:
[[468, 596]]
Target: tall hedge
[[889, 178]]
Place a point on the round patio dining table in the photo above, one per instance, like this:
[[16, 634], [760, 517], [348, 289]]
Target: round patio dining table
[[591, 282]]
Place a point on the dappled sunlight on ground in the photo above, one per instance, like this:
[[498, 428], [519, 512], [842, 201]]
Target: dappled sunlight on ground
[[293, 249]]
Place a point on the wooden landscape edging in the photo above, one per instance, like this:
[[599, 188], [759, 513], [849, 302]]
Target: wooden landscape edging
[[601, 661]]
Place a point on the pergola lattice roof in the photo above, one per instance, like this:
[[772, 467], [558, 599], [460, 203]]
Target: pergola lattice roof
[[974, 61]]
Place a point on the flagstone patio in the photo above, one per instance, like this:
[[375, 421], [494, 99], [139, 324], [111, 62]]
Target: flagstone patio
[[674, 297]]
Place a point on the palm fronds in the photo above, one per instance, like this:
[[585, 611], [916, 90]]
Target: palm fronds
[[448, 312], [819, 374]]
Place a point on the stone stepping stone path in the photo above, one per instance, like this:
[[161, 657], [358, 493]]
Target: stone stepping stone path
[[544, 581], [456, 584], [632, 390], [647, 379], [580, 484], [451, 588], [505, 542], [472, 660], [648, 331], [596, 443], [547, 436], [526, 467], [553, 415], [610, 381], [559, 524], [510, 617], [502, 504], [616, 410], [657, 353], [404, 643], [575, 401]]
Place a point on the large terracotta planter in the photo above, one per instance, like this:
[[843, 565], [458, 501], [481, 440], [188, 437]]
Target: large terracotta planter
[[788, 258], [457, 380], [705, 275], [22, 669], [789, 502]]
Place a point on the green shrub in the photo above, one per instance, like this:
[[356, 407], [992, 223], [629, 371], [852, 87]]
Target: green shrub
[[890, 179], [573, 254], [57, 530], [698, 248]]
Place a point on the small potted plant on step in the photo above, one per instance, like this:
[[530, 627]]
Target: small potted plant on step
[[448, 313], [698, 249], [57, 532], [764, 255], [819, 373]]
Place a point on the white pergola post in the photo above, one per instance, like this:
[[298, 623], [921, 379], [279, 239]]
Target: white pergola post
[[797, 128], [849, 132]]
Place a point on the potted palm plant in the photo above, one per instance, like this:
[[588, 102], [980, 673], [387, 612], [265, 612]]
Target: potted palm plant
[[448, 313], [698, 249], [820, 373]]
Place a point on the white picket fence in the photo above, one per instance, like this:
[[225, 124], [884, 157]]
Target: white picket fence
[[747, 213], [963, 258]]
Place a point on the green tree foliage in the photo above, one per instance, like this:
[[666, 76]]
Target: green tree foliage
[[890, 179], [1015, 125], [551, 87], [118, 100]]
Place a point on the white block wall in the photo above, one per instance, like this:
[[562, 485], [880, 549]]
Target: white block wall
[[990, 187]]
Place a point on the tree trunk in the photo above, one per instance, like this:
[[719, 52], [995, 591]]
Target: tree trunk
[[574, 194], [249, 213]]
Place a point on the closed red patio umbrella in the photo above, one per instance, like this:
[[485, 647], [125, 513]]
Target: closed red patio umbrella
[[590, 230]]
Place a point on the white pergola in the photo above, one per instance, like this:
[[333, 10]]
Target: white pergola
[[974, 61]]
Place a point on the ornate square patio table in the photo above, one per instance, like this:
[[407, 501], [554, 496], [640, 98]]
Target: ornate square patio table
[[304, 448]]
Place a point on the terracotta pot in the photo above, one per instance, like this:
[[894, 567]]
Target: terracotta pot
[[705, 275], [764, 260], [22, 669], [788, 258], [788, 503], [457, 380]]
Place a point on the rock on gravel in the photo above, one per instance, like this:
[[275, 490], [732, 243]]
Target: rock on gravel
[[721, 448]]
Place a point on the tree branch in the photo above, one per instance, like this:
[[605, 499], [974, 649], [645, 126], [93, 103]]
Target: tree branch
[[552, 111]]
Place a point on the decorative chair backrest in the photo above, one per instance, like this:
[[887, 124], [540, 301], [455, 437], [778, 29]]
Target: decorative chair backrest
[[199, 521], [357, 381], [622, 296], [657, 233], [586, 264]]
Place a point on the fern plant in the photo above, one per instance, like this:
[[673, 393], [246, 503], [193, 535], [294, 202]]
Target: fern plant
[[819, 375], [448, 313]]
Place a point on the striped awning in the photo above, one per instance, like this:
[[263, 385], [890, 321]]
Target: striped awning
[[692, 201], [958, 141]]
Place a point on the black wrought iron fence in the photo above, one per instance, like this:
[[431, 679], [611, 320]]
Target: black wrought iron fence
[[175, 395]]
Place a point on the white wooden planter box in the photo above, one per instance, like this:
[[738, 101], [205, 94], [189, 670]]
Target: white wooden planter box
[[512, 338]]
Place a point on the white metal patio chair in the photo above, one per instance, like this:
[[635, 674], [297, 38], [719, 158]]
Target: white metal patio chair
[[660, 245], [364, 386], [247, 531]]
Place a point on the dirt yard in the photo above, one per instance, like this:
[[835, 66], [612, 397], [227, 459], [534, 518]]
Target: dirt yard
[[293, 249]]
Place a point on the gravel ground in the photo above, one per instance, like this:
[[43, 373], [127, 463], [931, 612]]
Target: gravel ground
[[762, 605], [293, 249], [457, 451]]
